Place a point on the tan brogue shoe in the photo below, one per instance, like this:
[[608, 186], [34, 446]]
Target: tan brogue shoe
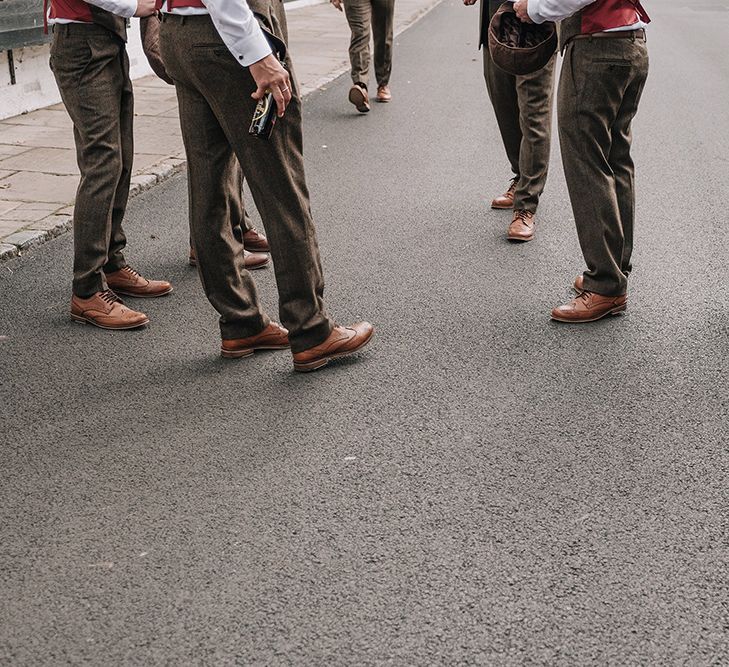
[[589, 307], [254, 241], [251, 260], [521, 227], [106, 310], [383, 94], [359, 97], [507, 199], [128, 282], [341, 342], [273, 337], [255, 260], [579, 283]]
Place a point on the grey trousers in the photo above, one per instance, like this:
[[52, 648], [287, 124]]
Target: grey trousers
[[600, 88], [214, 94], [91, 68], [523, 108], [376, 18]]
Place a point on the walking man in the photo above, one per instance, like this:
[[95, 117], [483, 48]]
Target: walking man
[[523, 108], [365, 17], [605, 69], [91, 67], [222, 62]]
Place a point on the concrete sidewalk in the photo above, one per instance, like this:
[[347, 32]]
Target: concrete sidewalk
[[38, 173]]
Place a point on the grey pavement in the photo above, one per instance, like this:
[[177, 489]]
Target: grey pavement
[[482, 486]]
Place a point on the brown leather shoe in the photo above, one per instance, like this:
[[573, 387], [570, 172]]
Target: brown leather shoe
[[589, 306], [273, 337], [579, 284], [383, 94], [254, 241], [341, 342], [507, 199], [521, 227], [106, 310], [359, 97], [127, 281], [251, 260]]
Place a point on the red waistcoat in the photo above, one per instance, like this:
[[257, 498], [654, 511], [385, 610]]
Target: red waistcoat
[[179, 4], [608, 14], [71, 10], [78, 10]]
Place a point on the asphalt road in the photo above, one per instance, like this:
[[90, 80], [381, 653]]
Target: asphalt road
[[482, 486]]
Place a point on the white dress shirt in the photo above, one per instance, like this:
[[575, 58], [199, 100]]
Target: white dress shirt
[[123, 8], [557, 10], [237, 26]]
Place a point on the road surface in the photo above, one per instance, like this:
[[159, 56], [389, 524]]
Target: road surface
[[482, 486]]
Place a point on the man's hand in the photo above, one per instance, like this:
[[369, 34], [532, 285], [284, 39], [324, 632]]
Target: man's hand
[[469, 2], [269, 74], [337, 4], [520, 7], [145, 8]]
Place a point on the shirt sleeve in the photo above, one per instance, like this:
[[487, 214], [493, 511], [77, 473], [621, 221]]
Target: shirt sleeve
[[239, 30], [123, 8], [554, 10]]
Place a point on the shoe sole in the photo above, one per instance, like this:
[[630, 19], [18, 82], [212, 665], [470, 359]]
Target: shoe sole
[[249, 351], [320, 363], [85, 320], [615, 311], [377, 99], [520, 239], [502, 208], [356, 97], [141, 296], [265, 265]]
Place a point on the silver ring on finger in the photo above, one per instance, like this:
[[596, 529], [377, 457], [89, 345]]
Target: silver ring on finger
[[283, 90]]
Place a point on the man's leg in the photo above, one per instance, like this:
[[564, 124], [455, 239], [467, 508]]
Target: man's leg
[[535, 95], [92, 84], [118, 240], [220, 255], [620, 159], [502, 93], [383, 20], [585, 129], [359, 17]]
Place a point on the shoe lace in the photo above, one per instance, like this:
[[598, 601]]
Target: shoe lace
[[513, 184], [129, 269], [523, 215], [109, 297]]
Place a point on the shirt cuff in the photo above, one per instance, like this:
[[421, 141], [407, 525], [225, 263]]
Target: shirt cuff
[[533, 11], [257, 48], [126, 8]]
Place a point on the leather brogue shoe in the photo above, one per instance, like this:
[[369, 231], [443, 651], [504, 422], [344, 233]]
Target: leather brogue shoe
[[273, 337], [359, 97], [251, 260], [342, 342], [128, 282], [521, 227], [506, 200], [254, 241], [589, 307], [383, 94], [107, 311]]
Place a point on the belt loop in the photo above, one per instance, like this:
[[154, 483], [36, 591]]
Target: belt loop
[[183, 18]]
